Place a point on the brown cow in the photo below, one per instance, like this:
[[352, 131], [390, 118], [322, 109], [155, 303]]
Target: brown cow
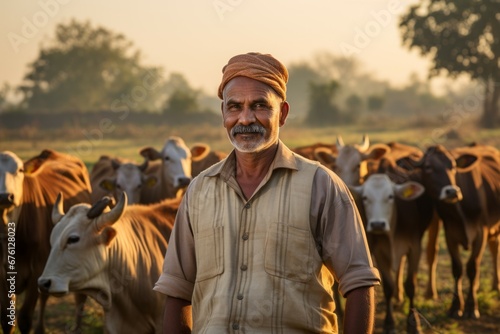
[[113, 256], [392, 222], [465, 185], [203, 157], [27, 193]]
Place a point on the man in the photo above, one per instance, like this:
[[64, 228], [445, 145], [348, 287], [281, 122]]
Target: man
[[260, 236]]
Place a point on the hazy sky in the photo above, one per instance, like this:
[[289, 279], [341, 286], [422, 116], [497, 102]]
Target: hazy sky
[[196, 38]]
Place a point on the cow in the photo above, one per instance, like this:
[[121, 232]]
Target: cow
[[110, 176], [114, 256], [465, 185], [308, 151], [203, 157], [351, 162], [391, 219], [27, 193], [171, 167]]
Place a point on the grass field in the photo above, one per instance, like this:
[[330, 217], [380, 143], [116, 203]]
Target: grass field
[[89, 144]]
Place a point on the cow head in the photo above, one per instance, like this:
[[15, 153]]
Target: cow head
[[352, 162], [378, 194], [11, 181], [79, 248], [128, 178], [439, 170], [175, 157]]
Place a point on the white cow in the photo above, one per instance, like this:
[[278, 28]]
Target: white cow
[[115, 256], [172, 168], [393, 230], [112, 176]]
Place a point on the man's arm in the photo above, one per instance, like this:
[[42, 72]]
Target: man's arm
[[360, 311], [177, 316]]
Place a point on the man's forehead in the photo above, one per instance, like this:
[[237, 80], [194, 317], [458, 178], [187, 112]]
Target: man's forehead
[[242, 88]]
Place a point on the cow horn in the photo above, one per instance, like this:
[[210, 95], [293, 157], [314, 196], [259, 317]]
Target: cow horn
[[340, 142], [99, 207], [111, 217], [365, 145], [57, 210]]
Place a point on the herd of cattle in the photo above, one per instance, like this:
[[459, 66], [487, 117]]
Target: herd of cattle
[[104, 234]]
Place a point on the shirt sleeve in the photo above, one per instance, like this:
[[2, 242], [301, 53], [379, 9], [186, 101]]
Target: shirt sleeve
[[179, 266], [340, 234]]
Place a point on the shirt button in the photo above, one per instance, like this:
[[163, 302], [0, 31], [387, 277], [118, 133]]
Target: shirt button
[[243, 267], [240, 297], [247, 206], [245, 236], [236, 326]]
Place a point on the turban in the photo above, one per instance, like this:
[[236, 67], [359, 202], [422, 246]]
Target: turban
[[261, 67]]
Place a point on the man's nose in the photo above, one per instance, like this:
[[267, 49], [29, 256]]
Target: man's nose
[[247, 116]]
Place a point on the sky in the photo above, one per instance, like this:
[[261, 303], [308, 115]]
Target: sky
[[196, 38]]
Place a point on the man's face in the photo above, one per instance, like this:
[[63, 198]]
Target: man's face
[[252, 113]]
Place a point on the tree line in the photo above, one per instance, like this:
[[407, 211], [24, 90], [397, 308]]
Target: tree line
[[87, 68]]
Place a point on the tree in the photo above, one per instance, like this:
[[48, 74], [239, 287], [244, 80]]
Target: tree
[[461, 37], [90, 68], [322, 109], [354, 106], [375, 102]]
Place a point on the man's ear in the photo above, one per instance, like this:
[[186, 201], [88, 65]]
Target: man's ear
[[285, 108]]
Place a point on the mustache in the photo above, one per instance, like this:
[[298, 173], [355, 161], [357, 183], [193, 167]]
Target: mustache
[[254, 128]]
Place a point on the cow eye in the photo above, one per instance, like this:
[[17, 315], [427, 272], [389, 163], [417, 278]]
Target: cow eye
[[365, 198], [73, 239], [390, 197], [167, 158]]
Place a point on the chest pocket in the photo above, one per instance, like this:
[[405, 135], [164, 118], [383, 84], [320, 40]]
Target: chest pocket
[[289, 253], [209, 253]]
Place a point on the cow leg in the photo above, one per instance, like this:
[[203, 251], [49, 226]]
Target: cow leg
[[494, 245], [398, 287], [80, 300], [413, 321], [473, 264], [25, 319], [384, 264], [40, 328], [457, 304], [431, 253]]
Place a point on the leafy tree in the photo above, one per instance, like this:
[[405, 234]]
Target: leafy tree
[[462, 37], [300, 76], [322, 109], [90, 68]]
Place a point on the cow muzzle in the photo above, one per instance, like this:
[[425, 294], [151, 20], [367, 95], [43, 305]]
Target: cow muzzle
[[451, 194], [378, 227], [6, 200], [50, 286]]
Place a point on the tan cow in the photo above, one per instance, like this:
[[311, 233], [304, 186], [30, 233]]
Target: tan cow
[[115, 256], [171, 167], [27, 193], [112, 176]]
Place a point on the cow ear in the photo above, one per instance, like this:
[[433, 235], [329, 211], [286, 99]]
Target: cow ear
[[107, 235], [409, 190], [356, 190], [325, 156], [199, 151], [465, 160], [150, 153], [377, 151], [107, 184]]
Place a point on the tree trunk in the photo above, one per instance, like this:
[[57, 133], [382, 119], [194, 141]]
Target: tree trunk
[[489, 119]]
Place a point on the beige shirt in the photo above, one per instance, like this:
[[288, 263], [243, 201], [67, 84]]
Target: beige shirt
[[266, 264]]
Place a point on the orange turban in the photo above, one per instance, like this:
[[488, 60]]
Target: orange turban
[[261, 67]]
